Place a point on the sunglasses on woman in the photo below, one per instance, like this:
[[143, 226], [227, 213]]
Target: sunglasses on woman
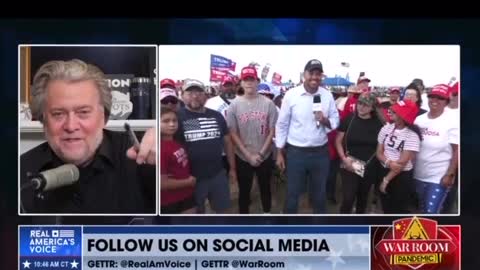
[[166, 101]]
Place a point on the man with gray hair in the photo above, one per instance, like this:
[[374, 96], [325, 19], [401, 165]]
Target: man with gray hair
[[72, 100]]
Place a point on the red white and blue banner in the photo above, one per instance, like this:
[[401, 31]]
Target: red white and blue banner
[[221, 62], [410, 243], [220, 68]]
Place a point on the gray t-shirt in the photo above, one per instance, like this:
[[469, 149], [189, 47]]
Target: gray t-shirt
[[252, 120]]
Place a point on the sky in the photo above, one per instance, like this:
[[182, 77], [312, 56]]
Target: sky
[[385, 65]]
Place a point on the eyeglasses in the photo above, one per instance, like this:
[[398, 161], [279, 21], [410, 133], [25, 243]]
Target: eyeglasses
[[166, 101]]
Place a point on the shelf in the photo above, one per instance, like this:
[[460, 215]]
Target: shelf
[[116, 125]]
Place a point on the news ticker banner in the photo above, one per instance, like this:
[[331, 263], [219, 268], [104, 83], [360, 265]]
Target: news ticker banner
[[240, 247]]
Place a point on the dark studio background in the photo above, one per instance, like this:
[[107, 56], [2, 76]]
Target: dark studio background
[[258, 31], [111, 60]]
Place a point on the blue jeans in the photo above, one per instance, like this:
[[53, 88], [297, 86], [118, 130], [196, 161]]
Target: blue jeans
[[431, 196], [452, 196], [300, 163], [332, 179]]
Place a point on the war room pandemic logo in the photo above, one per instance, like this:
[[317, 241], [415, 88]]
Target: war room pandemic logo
[[416, 243]]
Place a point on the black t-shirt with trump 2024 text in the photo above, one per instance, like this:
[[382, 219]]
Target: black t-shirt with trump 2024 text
[[203, 137]]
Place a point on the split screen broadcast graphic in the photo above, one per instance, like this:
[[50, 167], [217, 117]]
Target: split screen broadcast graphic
[[136, 131]]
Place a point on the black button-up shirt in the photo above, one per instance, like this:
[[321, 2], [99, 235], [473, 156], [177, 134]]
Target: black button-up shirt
[[110, 184]]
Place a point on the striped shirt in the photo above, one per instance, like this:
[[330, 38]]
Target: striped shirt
[[396, 140]]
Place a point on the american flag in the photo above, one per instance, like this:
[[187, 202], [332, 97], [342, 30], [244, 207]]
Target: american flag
[[203, 124], [200, 129], [67, 233]]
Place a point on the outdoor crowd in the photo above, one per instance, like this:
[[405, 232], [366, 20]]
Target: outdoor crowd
[[403, 155]]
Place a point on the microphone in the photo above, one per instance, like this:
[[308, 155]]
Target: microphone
[[52, 179], [452, 80], [317, 107]]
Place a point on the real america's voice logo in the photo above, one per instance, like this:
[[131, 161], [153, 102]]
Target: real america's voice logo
[[416, 243], [50, 248]]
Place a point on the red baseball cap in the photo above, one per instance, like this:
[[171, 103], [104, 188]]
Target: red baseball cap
[[440, 90], [454, 89], [167, 92], [167, 82], [394, 89], [248, 72], [228, 79], [406, 109]]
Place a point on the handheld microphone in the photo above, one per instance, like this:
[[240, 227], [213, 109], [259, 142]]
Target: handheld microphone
[[317, 106], [452, 80], [52, 179]]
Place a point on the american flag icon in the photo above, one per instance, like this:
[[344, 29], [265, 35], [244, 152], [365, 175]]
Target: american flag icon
[[67, 233], [202, 123], [191, 124]]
